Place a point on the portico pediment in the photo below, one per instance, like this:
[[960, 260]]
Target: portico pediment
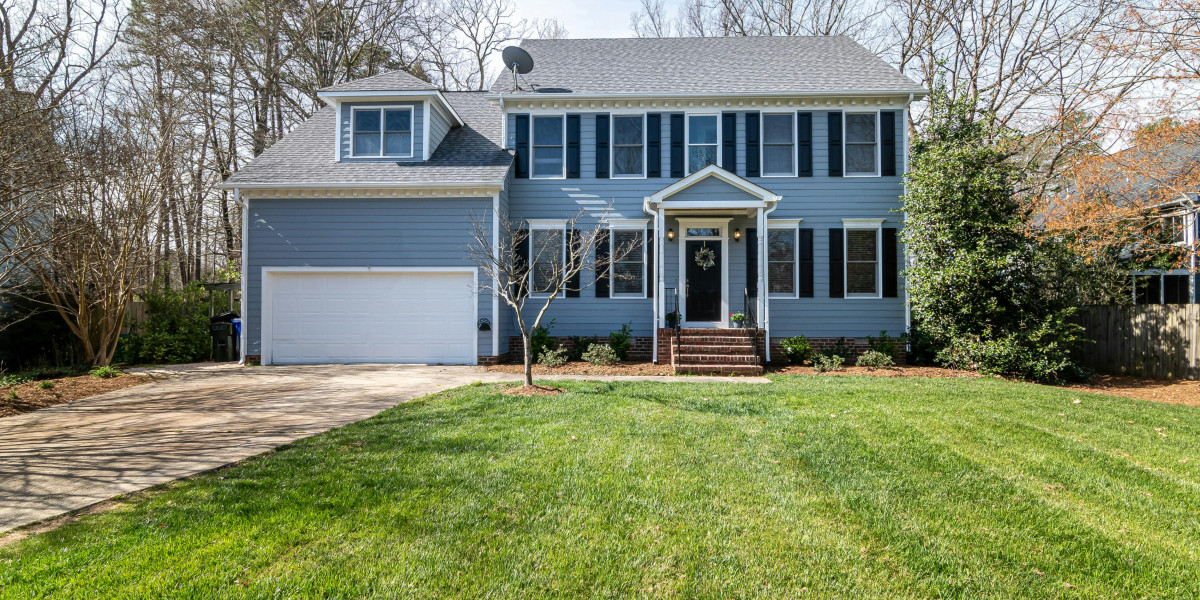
[[712, 188]]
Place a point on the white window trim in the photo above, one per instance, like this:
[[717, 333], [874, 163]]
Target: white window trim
[[612, 146], [612, 229], [533, 146], [878, 144], [382, 123], [762, 144], [687, 140], [794, 227], [862, 224], [545, 225]]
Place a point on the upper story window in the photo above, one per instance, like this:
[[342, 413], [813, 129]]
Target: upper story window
[[549, 159], [702, 141], [629, 155], [778, 145], [383, 132], [862, 144]]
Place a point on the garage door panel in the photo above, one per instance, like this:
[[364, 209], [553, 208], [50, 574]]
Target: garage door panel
[[372, 317]]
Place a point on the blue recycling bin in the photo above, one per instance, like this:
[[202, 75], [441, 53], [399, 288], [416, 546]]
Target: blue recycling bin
[[237, 334]]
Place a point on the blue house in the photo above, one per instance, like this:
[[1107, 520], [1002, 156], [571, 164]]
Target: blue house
[[752, 175]]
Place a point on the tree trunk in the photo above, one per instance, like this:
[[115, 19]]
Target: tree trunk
[[528, 359]]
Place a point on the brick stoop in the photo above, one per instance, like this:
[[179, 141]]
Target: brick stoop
[[715, 352]]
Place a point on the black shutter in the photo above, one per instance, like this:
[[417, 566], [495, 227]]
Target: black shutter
[[729, 142], [806, 263], [804, 143], [572, 146], [753, 167], [650, 263], [602, 146], [891, 263], [602, 266], [887, 138], [522, 146], [573, 285], [837, 268], [676, 144], [520, 248], [752, 261], [653, 145], [835, 144]]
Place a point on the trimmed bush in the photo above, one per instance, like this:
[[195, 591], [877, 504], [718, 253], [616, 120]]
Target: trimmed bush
[[620, 341], [556, 357], [874, 359], [823, 363], [105, 372], [796, 348], [601, 354]]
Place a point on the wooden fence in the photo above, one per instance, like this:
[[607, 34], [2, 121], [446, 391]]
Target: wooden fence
[[1146, 340]]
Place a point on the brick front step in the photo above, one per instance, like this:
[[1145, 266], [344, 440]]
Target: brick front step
[[714, 339], [748, 370], [721, 359], [746, 348]]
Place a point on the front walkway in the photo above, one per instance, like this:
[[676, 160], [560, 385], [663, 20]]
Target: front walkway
[[68, 457]]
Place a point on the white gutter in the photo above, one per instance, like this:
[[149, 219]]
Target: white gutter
[[359, 185], [245, 334], [733, 95]]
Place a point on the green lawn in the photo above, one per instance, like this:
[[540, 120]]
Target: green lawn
[[809, 487]]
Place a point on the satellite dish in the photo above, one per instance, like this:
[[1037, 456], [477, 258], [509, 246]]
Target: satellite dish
[[517, 59]]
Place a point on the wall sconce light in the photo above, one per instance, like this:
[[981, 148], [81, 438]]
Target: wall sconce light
[[670, 235], [484, 324], [737, 235]]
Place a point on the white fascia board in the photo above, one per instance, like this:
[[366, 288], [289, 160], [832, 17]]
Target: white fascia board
[[916, 94], [359, 185], [736, 181]]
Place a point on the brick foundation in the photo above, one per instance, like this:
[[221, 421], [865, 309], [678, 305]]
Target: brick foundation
[[255, 359], [856, 345], [640, 348], [491, 361]]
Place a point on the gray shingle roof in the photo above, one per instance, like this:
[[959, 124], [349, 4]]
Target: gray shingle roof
[[469, 154], [726, 65], [392, 81]]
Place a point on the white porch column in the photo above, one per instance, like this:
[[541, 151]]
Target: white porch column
[[659, 285], [764, 303]]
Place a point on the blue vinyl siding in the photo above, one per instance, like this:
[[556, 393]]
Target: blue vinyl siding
[[439, 126], [359, 233], [345, 136]]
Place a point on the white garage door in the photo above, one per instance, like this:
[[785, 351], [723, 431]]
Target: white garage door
[[369, 316]]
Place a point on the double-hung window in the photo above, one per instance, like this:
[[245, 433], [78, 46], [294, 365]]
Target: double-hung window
[[547, 256], [778, 145], [862, 144], [629, 138], [383, 132], [549, 157], [629, 263], [781, 261], [702, 141], [862, 261]]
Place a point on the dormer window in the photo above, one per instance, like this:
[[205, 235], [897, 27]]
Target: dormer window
[[383, 132]]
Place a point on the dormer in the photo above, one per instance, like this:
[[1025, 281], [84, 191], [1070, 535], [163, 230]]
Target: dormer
[[393, 117]]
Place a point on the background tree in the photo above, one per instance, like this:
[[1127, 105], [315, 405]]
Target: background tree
[[975, 280]]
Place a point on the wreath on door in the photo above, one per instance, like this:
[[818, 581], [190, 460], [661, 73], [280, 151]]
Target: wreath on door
[[705, 258]]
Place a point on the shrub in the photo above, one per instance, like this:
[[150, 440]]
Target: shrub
[[874, 359], [12, 395], [176, 327], [540, 340], [14, 379], [553, 357], [601, 354], [105, 372], [883, 344], [620, 341], [46, 385], [823, 363], [579, 345], [839, 349], [796, 349]]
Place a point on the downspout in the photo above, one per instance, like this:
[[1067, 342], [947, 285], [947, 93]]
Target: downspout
[[245, 334], [658, 233], [496, 276]]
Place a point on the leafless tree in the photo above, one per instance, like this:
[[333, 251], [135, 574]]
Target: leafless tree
[[481, 28], [530, 269]]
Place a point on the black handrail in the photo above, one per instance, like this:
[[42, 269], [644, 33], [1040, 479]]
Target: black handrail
[[677, 322], [751, 322]]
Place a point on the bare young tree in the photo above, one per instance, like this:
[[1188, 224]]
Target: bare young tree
[[481, 28], [529, 269]]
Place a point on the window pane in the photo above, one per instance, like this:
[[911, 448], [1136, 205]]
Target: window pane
[[704, 232], [701, 156], [627, 130], [627, 278], [627, 161], [781, 244], [366, 144], [860, 128], [547, 131], [860, 278], [546, 254], [777, 160], [781, 278], [860, 158], [860, 244], [398, 120], [777, 129], [366, 120], [399, 144], [548, 162], [702, 130]]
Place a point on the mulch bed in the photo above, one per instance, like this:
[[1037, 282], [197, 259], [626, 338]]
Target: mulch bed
[[1170, 391], [899, 371], [30, 397], [586, 368], [532, 390]]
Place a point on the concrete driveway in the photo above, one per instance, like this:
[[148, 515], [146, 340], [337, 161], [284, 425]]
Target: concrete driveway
[[68, 457]]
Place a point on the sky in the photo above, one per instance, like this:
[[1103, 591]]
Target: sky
[[584, 18]]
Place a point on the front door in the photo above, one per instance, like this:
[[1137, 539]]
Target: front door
[[703, 286]]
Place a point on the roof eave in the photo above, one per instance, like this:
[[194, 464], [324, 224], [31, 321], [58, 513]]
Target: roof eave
[[392, 95], [915, 93]]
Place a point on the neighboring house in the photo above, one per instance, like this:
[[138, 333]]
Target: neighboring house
[[778, 159], [1181, 218]]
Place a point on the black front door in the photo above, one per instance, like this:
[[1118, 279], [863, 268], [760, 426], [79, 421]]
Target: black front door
[[703, 289]]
